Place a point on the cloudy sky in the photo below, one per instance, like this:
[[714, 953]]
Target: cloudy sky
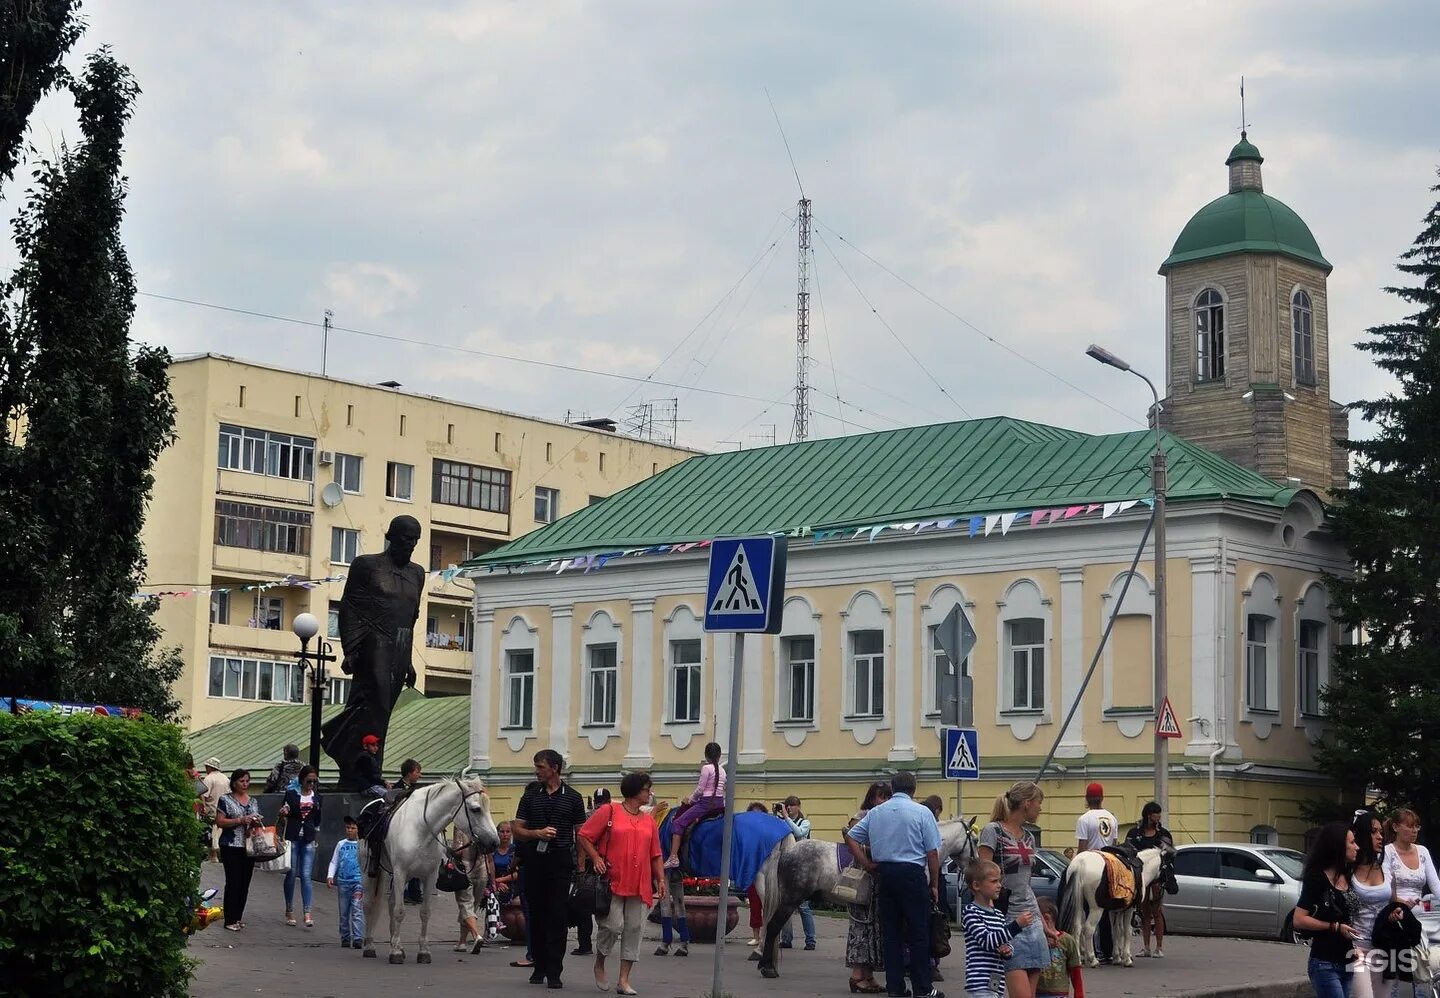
[[603, 186]]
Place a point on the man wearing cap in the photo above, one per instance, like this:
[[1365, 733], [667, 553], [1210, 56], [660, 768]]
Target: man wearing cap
[[367, 768], [217, 785], [1096, 829]]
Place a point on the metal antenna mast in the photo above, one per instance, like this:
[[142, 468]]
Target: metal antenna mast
[[325, 341], [802, 328]]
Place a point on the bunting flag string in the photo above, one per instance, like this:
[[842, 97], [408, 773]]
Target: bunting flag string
[[288, 582]]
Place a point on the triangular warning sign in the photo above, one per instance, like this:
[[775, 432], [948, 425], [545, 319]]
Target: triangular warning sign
[[738, 593], [962, 758], [1167, 726]]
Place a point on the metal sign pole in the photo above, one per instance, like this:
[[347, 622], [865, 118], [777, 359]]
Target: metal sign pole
[[737, 667], [959, 784]]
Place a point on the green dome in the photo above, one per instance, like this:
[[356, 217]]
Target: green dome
[[1244, 150], [1246, 221]]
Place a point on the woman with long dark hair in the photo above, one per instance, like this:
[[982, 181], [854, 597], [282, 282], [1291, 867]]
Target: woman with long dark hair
[[301, 812], [236, 814], [1148, 834], [1324, 912], [865, 937], [1370, 890]]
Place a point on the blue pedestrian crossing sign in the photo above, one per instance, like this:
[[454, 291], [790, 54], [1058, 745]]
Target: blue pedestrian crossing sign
[[746, 587], [961, 758]]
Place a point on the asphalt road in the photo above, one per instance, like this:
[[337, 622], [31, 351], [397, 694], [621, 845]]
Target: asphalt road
[[270, 958]]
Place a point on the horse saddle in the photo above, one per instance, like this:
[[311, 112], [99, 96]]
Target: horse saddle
[[1120, 886]]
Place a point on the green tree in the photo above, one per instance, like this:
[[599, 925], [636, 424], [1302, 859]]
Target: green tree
[[34, 35], [88, 415], [1384, 694]]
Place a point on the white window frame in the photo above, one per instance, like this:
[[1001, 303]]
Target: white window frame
[[608, 675], [521, 680], [1024, 600], [601, 632], [1021, 659], [1258, 654], [870, 663], [219, 606], [1119, 702], [547, 504], [866, 613], [694, 676], [1302, 326], [337, 689], [1312, 610], [393, 481], [933, 612], [332, 620], [347, 467], [342, 536], [798, 670], [518, 636], [266, 608], [798, 620], [1260, 599], [266, 452], [244, 673]]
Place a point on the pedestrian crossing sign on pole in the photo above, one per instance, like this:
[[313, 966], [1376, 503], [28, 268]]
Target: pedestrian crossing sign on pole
[[746, 587], [1167, 725], [961, 757]]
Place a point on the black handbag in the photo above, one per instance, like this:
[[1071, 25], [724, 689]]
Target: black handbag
[[451, 878], [939, 934], [590, 891]]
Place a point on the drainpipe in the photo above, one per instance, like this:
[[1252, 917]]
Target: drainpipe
[[1219, 750]]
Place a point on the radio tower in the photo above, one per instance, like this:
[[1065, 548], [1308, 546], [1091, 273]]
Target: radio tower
[[801, 430]]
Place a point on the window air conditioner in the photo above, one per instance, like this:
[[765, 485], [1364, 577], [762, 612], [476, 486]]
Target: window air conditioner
[[327, 457]]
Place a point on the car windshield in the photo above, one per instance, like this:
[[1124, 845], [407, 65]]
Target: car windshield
[[1291, 863]]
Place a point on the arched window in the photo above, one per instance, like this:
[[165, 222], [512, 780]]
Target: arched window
[[1209, 336], [1301, 321]]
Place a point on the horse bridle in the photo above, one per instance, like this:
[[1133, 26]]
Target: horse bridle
[[425, 817]]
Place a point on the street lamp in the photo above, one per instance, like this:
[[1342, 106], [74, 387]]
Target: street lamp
[[305, 628], [1162, 668]]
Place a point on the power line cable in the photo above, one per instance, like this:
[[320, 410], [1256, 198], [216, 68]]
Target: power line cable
[[960, 318], [891, 329]]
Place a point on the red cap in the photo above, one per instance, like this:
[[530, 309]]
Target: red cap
[[1094, 790], [369, 740]]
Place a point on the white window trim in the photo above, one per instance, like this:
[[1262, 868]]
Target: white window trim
[[601, 629], [290, 667], [359, 473], [943, 599], [411, 497], [1131, 718], [358, 551], [554, 502], [518, 635], [865, 613], [799, 620], [1260, 598], [1264, 835], [1313, 606], [684, 624], [1023, 598]]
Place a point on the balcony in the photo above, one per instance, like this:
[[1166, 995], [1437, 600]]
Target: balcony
[[252, 486], [452, 661], [465, 518], [240, 637], [448, 549], [267, 564]]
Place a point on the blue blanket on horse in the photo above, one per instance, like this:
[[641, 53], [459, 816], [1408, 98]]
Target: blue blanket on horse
[[755, 838]]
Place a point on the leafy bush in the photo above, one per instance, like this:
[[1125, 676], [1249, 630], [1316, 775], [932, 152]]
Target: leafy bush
[[101, 855]]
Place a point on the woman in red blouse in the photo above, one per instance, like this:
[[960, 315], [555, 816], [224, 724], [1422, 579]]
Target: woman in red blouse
[[622, 840]]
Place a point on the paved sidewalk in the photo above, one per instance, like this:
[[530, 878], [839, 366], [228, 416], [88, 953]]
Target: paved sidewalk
[[270, 958]]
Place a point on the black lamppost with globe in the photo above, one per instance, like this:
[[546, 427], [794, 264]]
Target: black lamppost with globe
[[305, 628]]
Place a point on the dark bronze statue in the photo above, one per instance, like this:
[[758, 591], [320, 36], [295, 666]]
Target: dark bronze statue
[[377, 618]]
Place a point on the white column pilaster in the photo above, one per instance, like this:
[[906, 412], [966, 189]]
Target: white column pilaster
[[752, 695], [1205, 655], [562, 668], [723, 657], [1072, 660], [904, 710], [642, 683], [482, 681]]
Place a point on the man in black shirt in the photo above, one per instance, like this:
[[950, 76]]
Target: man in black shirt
[[545, 823]]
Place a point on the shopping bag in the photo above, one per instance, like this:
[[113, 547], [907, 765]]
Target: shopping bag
[[263, 843], [280, 864], [853, 887]]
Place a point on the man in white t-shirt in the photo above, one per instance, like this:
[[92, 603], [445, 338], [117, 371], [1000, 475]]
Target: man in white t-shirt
[[1096, 829]]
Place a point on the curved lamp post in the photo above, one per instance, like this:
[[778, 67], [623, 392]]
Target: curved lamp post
[[1162, 669], [305, 628]]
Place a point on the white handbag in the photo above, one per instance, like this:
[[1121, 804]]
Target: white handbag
[[281, 863]]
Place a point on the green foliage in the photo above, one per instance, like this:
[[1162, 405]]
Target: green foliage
[[34, 35], [1384, 695], [93, 415], [101, 853]]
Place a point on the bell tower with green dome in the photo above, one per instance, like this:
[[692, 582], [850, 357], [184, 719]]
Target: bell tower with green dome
[[1247, 352]]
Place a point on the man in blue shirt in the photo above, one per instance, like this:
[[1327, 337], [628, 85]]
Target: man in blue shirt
[[904, 843]]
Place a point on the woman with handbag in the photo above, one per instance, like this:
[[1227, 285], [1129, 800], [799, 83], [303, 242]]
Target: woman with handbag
[[623, 845], [301, 814], [236, 813], [865, 939]]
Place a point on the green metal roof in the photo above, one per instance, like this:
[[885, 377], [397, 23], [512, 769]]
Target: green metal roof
[[944, 470], [435, 731], [1245, 222], [1244, 149]]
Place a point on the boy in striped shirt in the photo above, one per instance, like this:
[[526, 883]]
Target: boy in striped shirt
[[987, 933]]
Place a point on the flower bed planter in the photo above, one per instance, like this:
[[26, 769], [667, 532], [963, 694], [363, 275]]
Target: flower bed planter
[[702, 915]]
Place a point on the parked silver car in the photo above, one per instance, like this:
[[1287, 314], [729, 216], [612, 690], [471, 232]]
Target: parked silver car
[[1235, 889]]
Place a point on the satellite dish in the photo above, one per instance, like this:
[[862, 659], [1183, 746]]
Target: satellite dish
[[332, 495]]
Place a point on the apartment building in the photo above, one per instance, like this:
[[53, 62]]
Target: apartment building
[[278, 479]]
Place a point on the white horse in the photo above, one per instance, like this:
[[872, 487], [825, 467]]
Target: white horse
[[1081, 913], [415, 847], [805, 870]]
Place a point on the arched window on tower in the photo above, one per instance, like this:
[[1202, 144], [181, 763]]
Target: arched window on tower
[[1209, 336], [1301, 321]]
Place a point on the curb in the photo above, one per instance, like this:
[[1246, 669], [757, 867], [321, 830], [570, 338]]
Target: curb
[[1298, 988]]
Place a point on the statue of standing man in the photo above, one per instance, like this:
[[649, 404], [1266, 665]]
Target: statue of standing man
[[377, 618]]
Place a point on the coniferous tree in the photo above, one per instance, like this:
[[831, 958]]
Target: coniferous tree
[[87, 416], [1384, 694]]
